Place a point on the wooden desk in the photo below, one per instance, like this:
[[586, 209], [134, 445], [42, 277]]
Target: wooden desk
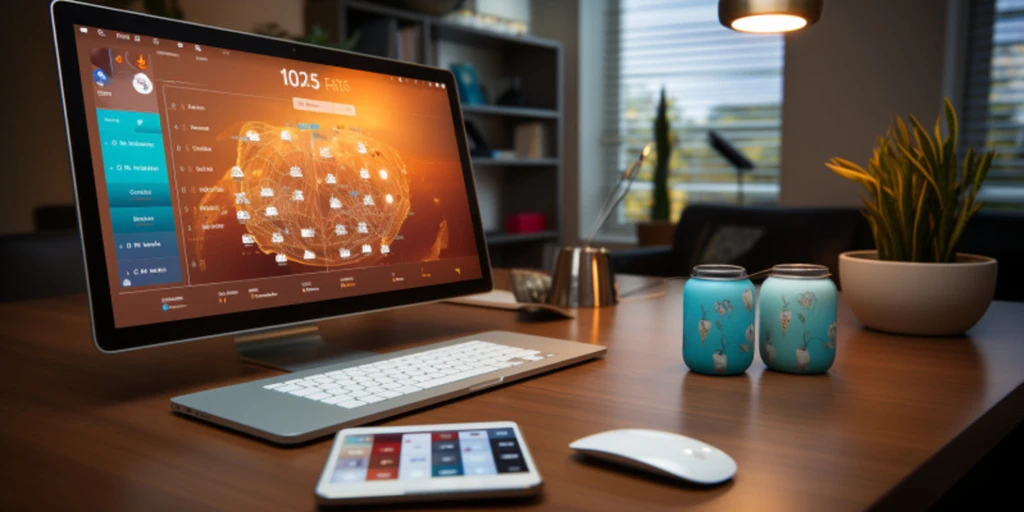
[[897, 419]]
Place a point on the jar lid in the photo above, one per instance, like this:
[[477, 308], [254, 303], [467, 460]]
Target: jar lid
[[800, 271], [719, 271]]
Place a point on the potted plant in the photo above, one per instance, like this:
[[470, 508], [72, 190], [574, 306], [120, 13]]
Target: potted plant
[[659, 229], [920, 197]]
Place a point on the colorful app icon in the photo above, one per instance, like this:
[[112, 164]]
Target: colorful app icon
[[100, 77], [142, 84]]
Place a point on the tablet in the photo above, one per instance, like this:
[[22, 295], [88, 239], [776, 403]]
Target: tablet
[[428, 462]]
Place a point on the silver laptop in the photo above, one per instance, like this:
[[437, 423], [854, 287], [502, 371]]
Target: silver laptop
[[233, 184]]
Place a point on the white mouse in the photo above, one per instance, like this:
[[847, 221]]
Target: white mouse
[[663, 453]]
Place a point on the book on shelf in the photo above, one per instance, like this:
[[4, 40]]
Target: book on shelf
[[530, 140], [408, 42]]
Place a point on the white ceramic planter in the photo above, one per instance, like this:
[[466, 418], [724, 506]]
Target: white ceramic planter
[[925, 299]]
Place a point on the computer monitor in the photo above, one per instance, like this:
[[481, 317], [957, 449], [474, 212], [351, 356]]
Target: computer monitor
[[227, 182]]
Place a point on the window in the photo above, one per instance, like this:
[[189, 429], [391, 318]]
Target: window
[[714, 78], [993, 108]]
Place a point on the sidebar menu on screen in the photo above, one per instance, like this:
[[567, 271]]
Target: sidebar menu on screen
[[142, 216]]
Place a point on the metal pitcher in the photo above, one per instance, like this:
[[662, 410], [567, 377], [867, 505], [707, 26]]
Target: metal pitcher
[[583, 278]]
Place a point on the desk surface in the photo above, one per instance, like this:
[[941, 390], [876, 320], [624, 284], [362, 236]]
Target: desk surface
[[897, 419]]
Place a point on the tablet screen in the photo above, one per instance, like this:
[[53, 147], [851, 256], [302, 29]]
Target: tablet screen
[[423, 455]]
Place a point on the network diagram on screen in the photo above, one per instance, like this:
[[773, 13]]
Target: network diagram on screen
[[230, 181]]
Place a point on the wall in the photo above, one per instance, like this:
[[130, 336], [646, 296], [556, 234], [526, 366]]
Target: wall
[[245, 14], [590, 116], [845, 78], [560, 21], [35, 167]]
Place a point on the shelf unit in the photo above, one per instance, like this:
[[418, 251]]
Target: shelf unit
[[499, 110], [517, 162], [514, 238], [504, 186]]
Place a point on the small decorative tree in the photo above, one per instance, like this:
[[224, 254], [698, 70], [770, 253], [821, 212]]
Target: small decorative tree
[[661, 208]]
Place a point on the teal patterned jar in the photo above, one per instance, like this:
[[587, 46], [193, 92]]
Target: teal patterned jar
[[798, 319], [718, 320]]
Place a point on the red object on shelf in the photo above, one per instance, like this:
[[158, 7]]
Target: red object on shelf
[[525, 222]]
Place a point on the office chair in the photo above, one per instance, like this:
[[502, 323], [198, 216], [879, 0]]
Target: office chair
[[754, 237], [44, 264]]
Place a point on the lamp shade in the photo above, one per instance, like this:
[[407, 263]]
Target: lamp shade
[[768, 16]]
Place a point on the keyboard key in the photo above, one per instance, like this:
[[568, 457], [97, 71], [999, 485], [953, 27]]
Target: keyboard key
[[375, 389], [358, 394], [408, 389], [335, 399], [387, 393], [319, 396], [286, 389], [373, 399], [351, 404], [303, 391], [457, 377]]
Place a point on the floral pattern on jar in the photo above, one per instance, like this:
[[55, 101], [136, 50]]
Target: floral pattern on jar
[[798, 330], [718, 320]]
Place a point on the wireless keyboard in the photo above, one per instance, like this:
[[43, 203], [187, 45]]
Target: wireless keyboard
[[392, 378]]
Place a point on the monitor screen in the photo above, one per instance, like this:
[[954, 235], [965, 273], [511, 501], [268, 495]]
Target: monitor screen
[[230, 181]]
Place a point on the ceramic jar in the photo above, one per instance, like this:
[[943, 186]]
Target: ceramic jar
[[718, 320], [798, 319]]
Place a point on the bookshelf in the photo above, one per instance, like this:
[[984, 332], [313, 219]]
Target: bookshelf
[[514, 162], [504, 186], [498, 110]]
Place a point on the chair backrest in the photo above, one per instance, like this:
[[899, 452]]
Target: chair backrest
[[45, 264], [757, 237], [999, 235], [56, 217]]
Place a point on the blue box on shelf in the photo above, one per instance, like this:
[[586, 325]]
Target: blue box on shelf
[[469, 85]]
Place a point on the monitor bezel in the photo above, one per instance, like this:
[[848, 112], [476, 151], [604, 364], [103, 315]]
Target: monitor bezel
[[65, 15]]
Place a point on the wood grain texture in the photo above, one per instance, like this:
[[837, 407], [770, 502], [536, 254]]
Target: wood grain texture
[[894, 423]]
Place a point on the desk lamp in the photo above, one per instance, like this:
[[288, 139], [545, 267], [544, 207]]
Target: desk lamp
[[738, 160]]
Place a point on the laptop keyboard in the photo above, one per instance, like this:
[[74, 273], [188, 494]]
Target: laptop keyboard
[[391, 378]]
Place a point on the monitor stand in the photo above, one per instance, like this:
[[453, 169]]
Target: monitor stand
[[293, 349]]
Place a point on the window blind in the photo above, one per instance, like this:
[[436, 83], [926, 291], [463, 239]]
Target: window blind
[[714, 78], [992, 110]]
